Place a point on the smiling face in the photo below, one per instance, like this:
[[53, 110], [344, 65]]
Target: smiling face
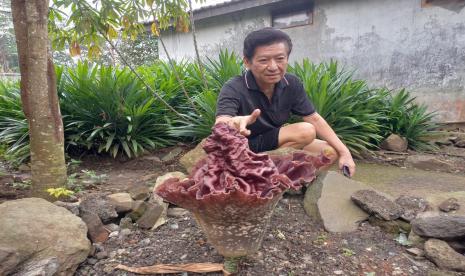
[[268, 64]]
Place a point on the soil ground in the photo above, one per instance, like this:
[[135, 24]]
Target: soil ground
[[294, 245]]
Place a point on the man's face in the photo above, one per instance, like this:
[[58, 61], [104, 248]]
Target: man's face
[[268, 64]]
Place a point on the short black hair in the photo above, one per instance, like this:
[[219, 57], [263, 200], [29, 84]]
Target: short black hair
[[265, 37]]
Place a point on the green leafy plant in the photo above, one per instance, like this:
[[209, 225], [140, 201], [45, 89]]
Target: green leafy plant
[[195, 125], [14, 129], [106, 109], [225, 67], [90, 177], [84, 179], [405, 117], [59, 192], [347, 252], [73, 165], [321, 239], [22, 185], [349, 106]]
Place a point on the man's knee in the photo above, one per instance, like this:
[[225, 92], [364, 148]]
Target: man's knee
[[305, 133]]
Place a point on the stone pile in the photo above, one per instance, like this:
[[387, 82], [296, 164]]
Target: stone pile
[[435, 234], [107, 214]]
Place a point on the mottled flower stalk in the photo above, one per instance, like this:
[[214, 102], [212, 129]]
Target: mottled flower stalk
[[233, 191]]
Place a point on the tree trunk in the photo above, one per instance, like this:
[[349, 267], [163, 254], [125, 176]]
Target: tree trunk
[[39, 95]]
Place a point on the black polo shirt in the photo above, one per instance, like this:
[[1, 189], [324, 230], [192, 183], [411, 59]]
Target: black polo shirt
[[240, 96]]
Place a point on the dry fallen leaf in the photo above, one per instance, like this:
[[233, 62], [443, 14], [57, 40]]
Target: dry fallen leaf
[[175, 268]]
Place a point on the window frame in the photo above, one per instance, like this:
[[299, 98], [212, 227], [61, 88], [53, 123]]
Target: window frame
[[308, 9]]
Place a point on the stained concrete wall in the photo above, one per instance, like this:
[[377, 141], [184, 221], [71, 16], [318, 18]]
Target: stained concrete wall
[[396, 43]]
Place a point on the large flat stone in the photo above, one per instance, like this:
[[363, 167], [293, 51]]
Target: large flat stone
[[435, 187], [328, 199], [376, 204], [440, 253], [441, 227], [34, 231]]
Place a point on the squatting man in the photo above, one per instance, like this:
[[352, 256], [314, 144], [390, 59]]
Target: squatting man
[[259, 102]]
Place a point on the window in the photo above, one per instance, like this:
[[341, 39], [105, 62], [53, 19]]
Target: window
[[444, 3], [292, 19]]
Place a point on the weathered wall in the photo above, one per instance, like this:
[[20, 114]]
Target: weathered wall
[[213, 34], [396, 43]]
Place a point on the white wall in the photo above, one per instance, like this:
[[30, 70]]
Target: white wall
[[395, 43]]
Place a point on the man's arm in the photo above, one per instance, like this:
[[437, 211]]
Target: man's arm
[[239, 122], [325, 132]]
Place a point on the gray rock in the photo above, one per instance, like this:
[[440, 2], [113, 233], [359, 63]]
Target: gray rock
[[415, 240], [126, 223], [394, 143], [26, 235], [112, 227], [45, 267], [390, 226], [459, 141], [92, 261], [428, 162], [443, 273], [101, 255], [191, 158], [97, 231], [100, 205], [124, 233], [73, 207], [171, 156], [440, 253], [166, 176], [417, 252], [150, 216], [376, 204], [450, 204], [328, 199], [139, 191], [412, 205], [122, 202], [177, 212], [139, 209], [442, 227], [9, 260]]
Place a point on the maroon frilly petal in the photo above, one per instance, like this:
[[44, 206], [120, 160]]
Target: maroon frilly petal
[[234, 176]]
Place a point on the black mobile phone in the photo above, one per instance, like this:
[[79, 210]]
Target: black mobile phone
[[346, 171]]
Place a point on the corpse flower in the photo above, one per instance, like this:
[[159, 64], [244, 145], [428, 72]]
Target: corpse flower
[[233, 191]]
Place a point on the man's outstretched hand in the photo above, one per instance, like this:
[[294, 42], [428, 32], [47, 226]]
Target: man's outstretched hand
[[240, 122]]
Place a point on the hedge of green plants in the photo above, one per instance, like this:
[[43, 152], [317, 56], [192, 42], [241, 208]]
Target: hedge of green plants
[[109, 110]]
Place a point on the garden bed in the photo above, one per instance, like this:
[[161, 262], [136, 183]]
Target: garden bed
[[295, 244]]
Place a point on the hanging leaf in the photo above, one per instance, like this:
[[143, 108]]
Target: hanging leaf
[[179, 25], [154, 29], [111, 32], [94, 52], [126, 22], [74, 49], [150, 3]]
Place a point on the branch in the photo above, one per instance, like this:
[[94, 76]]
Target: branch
[[194, 36], [174, 67], [99, 29]]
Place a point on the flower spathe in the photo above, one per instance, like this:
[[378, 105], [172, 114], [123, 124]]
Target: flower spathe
[[233, 191]]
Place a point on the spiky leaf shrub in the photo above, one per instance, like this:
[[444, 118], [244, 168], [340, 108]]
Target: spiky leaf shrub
[[222, 69], [405, 117], [195, 125], [348, 105], [14, 129], [109, 110]]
